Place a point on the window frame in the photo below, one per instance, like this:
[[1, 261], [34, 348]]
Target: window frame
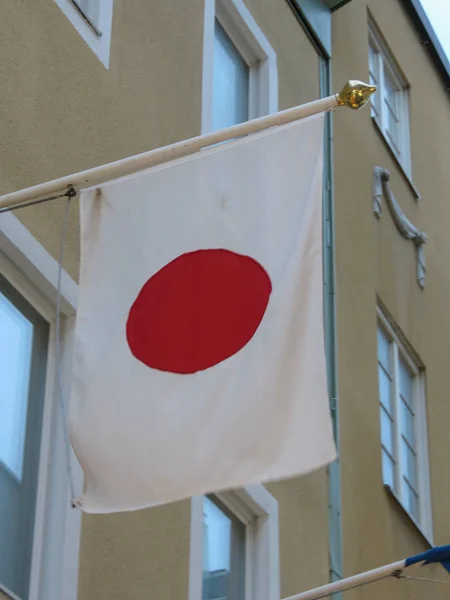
[[88, 17], [237, 513], [252, 505], [31, 270], [34, 413], [386, 62], [399, 349], [96, 35], [255, 49], [257, 509]]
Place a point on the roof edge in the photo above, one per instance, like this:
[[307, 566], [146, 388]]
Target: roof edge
[[429, 39], [334, 5]]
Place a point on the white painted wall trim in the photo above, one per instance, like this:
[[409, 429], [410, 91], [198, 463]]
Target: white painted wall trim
[[387, 63], [196, 549], [98, 38], [30, 258], [381, 187], [254, 47], [403, 349], [257, 509], [33, 272]]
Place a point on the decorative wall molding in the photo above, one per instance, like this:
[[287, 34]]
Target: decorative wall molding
[[382, 188]]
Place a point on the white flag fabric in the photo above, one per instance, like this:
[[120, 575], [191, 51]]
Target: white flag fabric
[[199, 354]]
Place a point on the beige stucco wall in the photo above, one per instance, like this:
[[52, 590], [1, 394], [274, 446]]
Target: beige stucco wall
[[372, 258], [297, 60], [61, 112], [136, 555]]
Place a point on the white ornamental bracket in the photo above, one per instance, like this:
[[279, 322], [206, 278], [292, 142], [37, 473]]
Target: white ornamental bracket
[[382, 188]]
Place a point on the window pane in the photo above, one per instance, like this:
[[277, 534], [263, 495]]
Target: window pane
[[384, 384], [373, 79], [388, 469], [391, 99], [392, 130], [384, 350], [375, 112], [405, 383], [391, 91], [373, 60], [230, 82], [223, 553], [407, 423], [90, 9], [410, 500], [387, 431], [16, 334], [23, 354], [409, 463]]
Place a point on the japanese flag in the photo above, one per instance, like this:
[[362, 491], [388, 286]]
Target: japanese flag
[[199, 357]]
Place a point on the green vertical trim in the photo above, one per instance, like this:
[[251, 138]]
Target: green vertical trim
[[334, 470], [300, 9]]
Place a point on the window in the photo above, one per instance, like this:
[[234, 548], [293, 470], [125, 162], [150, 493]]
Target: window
[[93, 21], [223, 552], [230, 82], [390, 104], [90, 11], [39, 532], [403, 427], [234, 546], [239, 72], [234, 535], [23, 356]]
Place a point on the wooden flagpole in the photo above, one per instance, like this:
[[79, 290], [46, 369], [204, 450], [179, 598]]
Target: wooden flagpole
[[355, 94], [349, 583], [438, 554]]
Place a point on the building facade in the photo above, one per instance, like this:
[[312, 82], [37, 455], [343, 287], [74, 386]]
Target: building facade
[[91, 81], [390, 189]]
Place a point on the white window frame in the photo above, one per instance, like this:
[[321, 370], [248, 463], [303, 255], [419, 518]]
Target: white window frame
[[32, 271], [398, 349], [384, 60], [254, 48], [96, 35], [252, 505], [257, 509]]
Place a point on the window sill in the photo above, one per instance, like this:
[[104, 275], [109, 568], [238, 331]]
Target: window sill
[[399, 503], [6, 592], [402, 169]]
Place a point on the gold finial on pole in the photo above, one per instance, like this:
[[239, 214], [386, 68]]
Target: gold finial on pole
[[355, 94]]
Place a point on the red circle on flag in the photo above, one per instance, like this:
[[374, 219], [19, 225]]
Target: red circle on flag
[[198, 310]]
